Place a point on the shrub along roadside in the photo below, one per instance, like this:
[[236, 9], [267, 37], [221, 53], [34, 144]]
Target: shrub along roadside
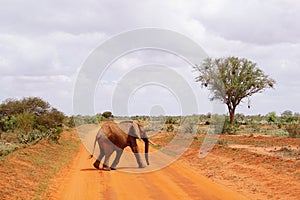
[[34, 136], [28, 114], [28, 121], [293, 129]]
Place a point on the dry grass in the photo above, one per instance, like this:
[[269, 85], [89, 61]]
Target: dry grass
[[26, 173]]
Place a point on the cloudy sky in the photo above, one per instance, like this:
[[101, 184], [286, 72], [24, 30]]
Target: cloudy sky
[[43, 45]]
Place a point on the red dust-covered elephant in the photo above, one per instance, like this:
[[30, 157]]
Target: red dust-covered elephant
[[115, 137]]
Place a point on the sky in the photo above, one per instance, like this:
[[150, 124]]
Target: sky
[[44, 45]]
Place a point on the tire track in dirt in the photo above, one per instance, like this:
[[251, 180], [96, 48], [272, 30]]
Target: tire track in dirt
[[78, 181], [173, 182]]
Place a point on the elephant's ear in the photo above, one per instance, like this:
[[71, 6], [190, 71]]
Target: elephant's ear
[[128, 128], [139, 130], [136, 129]]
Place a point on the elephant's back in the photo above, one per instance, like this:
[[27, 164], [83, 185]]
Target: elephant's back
[[114, 134]]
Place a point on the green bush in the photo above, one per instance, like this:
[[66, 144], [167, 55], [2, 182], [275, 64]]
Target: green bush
[[287, 116], [31, 137], [28, 114], [70, 122], [172, 120], [80, 120], [142, 118], [169, 128], [30, 120], [229, 128], [293, 129], [188, 128], [107, 114], [8, 123], [255, 127], [271, 117], [279, 125], [53, 134], [25, 121]]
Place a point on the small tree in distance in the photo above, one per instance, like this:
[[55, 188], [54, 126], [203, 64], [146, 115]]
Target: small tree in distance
[[232, 79], [107, 114]]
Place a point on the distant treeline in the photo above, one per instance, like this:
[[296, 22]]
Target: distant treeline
[[284, 125], [241, 119], [32, 119]]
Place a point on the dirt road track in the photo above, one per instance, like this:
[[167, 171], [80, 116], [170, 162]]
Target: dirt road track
[[177, 181]]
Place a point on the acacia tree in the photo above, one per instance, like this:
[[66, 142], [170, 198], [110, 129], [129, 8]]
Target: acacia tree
[[232, 79]]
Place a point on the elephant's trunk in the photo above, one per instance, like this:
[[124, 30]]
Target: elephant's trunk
[[146, 149]]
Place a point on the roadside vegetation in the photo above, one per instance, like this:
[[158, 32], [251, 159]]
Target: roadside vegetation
[[36, 142], [27, 121], [286, 124], [28, 172]]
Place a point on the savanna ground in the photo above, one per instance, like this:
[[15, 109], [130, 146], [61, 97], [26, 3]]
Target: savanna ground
[[27, 173], [259, 167], [254, 166]]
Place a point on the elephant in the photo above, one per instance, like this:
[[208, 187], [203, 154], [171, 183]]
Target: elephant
[[115, 137]]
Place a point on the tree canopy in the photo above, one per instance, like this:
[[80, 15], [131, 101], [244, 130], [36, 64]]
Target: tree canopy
[[28, 114], [107, 114], [232, 79]]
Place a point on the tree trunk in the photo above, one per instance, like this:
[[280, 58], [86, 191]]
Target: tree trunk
[[231, 115]]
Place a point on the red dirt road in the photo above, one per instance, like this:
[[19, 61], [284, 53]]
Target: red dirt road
[[177, 181]]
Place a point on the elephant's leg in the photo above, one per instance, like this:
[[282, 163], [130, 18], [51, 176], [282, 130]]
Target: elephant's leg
[[100, 157], [117, 159], [135, 150], [106, 163], [108, 151]]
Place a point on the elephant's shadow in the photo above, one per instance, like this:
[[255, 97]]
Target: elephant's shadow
[[119, 168], [88, 169]]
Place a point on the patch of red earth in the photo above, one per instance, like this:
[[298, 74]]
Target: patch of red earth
[[276, 151], [261, 140], [249, 170], [254, 175], [25, 173], [176, 181]]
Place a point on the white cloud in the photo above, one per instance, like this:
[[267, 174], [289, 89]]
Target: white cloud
[[44, 43], [259, 22]]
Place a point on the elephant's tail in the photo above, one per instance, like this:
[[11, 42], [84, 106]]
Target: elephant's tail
[[92, 154]]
